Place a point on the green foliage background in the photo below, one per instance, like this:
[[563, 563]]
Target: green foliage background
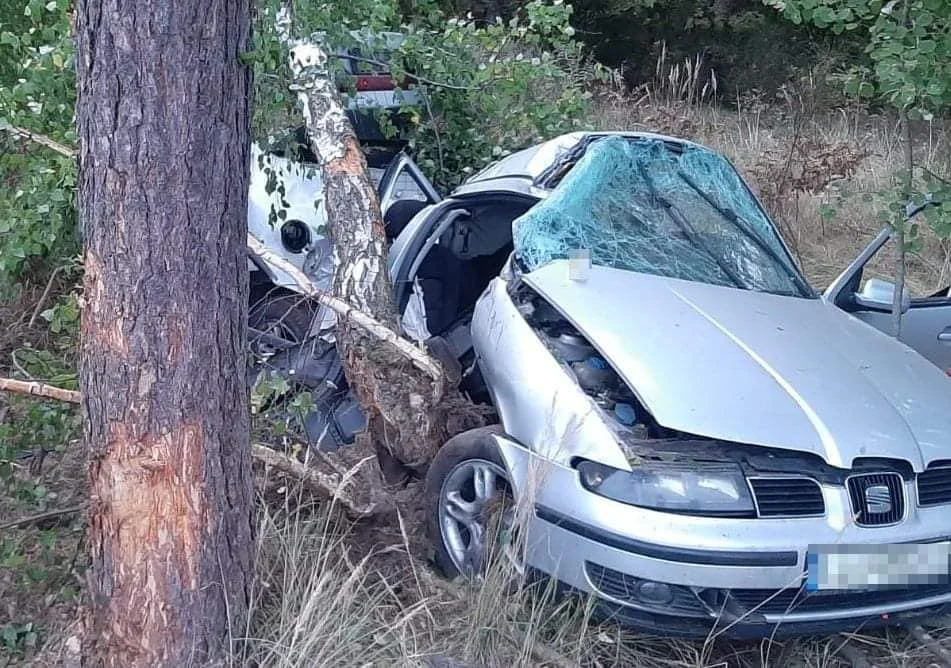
[[37, 93]]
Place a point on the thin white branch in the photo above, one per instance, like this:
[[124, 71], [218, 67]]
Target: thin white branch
[[420, 359], [41, 390]]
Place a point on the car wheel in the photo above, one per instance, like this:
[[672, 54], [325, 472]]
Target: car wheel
[[287, 317], [472, 519]]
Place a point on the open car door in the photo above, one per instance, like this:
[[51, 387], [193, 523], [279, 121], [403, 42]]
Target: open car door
[[926, 322], [404, 180]]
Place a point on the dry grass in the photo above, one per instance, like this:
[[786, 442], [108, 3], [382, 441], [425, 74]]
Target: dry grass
[[322, 598]]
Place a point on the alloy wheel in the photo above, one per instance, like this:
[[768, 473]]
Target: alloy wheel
[[477, 517]]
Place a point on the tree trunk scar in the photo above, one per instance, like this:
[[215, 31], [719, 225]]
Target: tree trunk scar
[[98, 322], [152, 507]]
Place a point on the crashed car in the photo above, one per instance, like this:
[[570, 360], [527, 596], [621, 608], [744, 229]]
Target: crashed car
[[688, 431]]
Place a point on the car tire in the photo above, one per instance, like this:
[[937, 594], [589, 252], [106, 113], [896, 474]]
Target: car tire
[[464, 456]]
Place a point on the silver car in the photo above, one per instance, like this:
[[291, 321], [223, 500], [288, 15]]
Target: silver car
[[687, 430]]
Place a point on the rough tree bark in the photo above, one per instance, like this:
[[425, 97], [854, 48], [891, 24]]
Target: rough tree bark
[[407, 410], [163, 115]]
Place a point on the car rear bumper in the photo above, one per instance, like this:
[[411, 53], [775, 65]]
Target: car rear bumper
[[688, 576]]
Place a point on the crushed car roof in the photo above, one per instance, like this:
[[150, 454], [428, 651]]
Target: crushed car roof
[[530, 163]]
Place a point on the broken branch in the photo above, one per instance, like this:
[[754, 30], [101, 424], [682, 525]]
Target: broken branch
[[331, 485], [327, 484], [43, 297], [420, 359], [43, 140], [33, 519], [39, 390]]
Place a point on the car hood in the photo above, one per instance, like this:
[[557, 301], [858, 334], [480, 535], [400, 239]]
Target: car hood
[[759, 368]]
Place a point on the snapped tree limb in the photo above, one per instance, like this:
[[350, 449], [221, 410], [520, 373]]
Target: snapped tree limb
[[39, 390], [334, 483], [63, 150], [344, 486], [405, 399], [41, 517]]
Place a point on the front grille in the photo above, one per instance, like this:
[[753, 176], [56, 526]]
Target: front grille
[[877, 498], [778, 602], [792, 496], [934, 486], [623, 587]]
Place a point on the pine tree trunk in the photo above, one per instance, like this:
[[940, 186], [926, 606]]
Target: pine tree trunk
[[163, 115]]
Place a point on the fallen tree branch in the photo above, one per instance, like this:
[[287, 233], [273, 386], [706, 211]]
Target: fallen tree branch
[[332, 485], [39, 390], [43, 140], [46, 293], [419, 358], [33, 519]]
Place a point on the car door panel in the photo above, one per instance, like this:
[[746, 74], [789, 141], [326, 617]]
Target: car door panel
[[403, 179], [925, 326]]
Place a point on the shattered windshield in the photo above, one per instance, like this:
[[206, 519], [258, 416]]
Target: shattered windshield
[[655, 208]]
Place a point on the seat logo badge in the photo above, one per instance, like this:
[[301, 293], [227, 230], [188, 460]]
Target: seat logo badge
[[877, 500]]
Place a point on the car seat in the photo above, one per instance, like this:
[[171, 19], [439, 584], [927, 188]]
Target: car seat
[[440, 277], [399, 213]]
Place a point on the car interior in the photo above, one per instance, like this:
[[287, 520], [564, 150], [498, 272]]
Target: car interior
[[465, 249], [942, 293]]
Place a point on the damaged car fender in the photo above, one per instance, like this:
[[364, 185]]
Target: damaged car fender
[[539, 402]]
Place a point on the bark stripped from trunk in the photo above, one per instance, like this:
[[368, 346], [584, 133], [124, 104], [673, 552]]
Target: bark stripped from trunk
[[163, 114], [406, 409]]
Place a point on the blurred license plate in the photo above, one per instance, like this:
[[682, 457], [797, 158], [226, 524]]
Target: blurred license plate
[[902, 565]]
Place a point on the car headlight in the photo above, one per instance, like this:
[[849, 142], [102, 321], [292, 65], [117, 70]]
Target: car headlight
[[693, 489]]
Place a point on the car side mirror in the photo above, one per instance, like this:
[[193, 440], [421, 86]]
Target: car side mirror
[[879, 295]]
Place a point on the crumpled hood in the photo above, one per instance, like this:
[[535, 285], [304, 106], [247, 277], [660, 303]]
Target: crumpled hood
[[759, 368]]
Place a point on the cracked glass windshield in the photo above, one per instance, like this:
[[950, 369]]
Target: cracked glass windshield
[[651, 207]]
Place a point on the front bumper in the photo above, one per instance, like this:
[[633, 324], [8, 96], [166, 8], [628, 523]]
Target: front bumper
[[741, 577]]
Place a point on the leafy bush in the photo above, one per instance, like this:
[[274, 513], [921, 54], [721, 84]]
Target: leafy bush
[[37, 94]]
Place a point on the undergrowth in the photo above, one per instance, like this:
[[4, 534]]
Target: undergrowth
[[331, 593]]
